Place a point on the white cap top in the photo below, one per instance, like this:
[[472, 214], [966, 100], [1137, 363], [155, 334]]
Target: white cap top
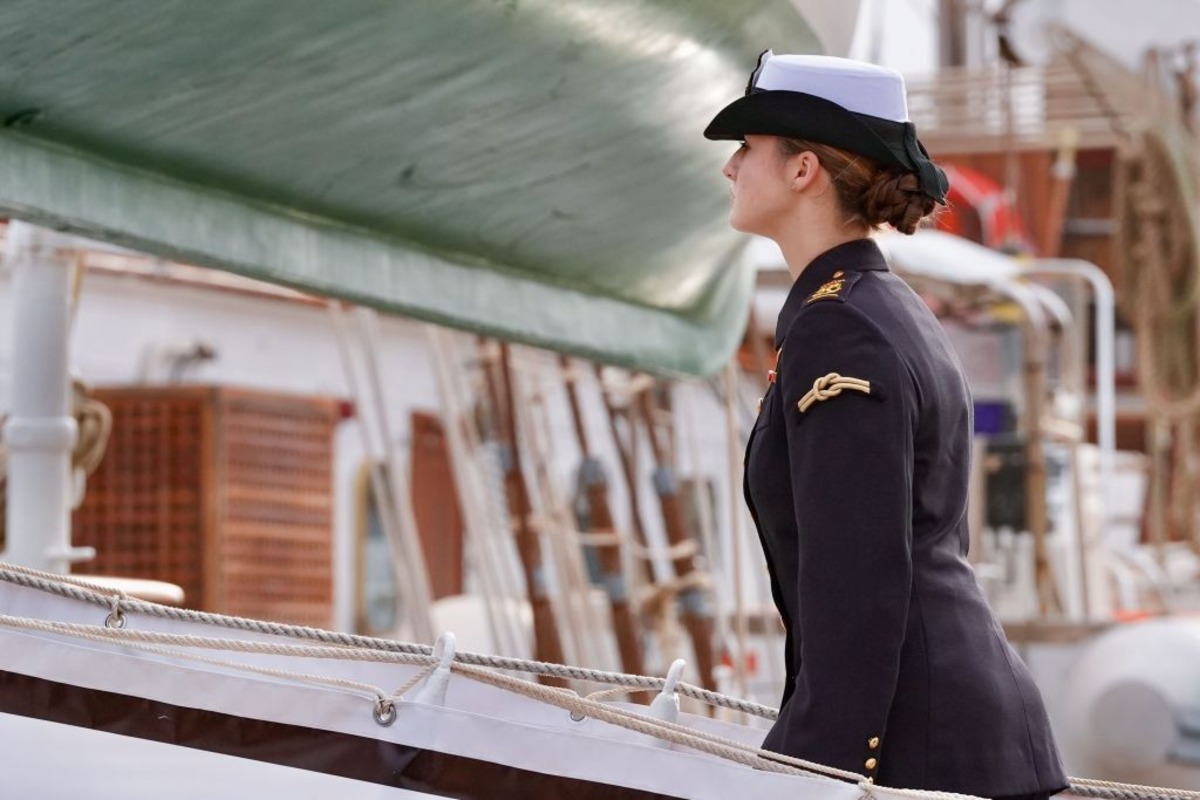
[[856, 86]]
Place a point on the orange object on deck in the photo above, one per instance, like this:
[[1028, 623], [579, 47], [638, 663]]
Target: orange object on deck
[[980, 209]]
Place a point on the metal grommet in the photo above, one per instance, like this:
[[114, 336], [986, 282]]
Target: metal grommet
[[577, 717], [115, 618], [385, 711]]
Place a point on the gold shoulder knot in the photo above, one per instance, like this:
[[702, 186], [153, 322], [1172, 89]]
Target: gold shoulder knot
[[831, 385]]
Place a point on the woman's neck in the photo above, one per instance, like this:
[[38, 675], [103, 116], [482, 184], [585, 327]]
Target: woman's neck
[[801, 246]]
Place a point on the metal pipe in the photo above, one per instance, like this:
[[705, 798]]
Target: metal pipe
[[1106, 384], [40, 432], [1102, 291]]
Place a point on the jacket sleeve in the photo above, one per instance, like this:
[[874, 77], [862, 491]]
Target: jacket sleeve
[[851, 459]]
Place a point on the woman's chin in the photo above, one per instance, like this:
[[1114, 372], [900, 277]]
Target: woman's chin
[[743, 227], [738, 224]]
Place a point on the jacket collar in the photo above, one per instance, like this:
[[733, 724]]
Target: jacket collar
[[858, 255]]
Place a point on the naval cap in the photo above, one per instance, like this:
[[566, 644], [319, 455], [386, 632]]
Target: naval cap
[[854, 105], [856, 86]]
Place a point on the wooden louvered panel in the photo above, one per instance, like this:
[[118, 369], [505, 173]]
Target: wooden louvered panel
[[144, 511], [277, 509], [228, 493]]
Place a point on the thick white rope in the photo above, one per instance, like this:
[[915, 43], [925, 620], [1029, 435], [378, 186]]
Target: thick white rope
[[142, 640], [1111, 790], [661, 729], [76, 589]]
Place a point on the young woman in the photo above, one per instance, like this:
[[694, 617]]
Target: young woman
[[857, 467]]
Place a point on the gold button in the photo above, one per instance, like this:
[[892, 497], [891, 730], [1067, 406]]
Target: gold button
[[838, 274], [873, 742], [871, 763]]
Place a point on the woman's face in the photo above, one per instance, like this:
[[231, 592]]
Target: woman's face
[[762, 187]]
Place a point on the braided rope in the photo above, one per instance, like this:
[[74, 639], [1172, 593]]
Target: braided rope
[[669, 731], [700, 740], [142, 640], [77, 589], [1111, 790]]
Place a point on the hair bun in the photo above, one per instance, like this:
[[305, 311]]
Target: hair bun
[[895, 197]]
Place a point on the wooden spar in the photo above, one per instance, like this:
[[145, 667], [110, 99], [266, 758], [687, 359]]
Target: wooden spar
[[1063, 176], [695, 609], [1034, 345], [600, 521], [546, 644], [626, 452]]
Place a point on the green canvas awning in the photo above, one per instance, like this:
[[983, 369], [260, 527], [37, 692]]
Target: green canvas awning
[[529, 169]]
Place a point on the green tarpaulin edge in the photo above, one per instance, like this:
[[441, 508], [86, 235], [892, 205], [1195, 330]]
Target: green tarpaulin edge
[[77, 192]]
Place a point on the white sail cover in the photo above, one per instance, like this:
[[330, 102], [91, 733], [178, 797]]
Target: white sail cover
[[106, 697], [92, 712]]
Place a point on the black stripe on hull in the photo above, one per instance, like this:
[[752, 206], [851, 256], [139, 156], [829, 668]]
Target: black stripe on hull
[[339, 754]]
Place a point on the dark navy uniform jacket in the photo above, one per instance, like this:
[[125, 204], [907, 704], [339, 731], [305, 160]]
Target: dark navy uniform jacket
[[896, 667]]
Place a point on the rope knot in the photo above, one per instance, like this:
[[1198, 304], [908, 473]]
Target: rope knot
[[826, 386], [829, 386]]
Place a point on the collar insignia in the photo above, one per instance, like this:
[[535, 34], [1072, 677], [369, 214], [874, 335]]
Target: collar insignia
[[836, 289], [828, 290]]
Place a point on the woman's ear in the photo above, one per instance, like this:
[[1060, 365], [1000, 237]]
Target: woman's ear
[[802, 169]]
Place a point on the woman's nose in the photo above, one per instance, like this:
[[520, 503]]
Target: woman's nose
[[730, 170]]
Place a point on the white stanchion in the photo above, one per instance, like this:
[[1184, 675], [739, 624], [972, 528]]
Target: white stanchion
[[40, 431]]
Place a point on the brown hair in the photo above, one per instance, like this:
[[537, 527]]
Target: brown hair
[[867, 193]]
